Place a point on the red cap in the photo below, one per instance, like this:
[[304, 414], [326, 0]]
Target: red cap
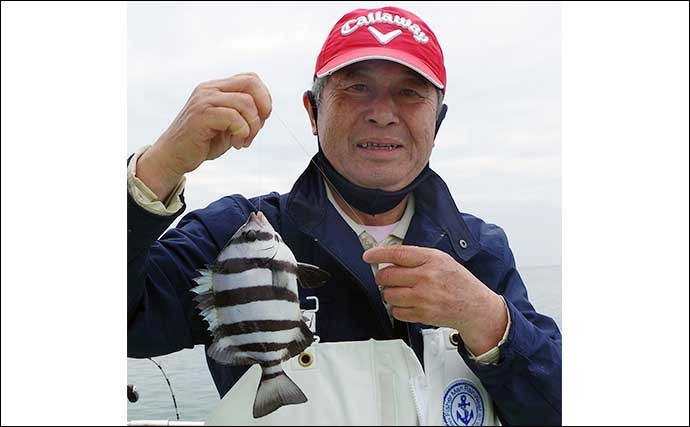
[[388, 33]]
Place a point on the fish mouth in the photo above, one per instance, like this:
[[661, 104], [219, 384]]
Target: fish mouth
[[258, 218]]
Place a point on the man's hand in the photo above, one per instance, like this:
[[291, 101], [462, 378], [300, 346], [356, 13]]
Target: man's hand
[[428, 286], [218, 115]]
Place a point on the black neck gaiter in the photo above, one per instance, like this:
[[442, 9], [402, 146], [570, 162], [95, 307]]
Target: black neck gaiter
[[371, 201]]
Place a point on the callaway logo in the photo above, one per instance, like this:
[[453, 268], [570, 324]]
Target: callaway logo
[[351, 25], [384, 38]]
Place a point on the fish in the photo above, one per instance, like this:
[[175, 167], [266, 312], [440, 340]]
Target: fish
[[249, 297]]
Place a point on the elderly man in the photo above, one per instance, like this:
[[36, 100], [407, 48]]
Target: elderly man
[[368, 198]]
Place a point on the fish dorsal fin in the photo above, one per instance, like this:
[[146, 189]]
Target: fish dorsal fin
[[311, 276]]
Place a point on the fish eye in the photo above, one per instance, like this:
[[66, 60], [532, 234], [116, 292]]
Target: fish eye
[[250, 235]]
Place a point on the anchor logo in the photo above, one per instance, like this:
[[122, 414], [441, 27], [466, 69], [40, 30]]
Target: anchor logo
[[465, 417], [463, 404]]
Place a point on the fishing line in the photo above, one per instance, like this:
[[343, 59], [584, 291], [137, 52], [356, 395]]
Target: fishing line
[[259, 152], [331, 186], [169, 386]]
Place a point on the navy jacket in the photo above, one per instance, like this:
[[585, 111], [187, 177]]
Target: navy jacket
[[525, 385]]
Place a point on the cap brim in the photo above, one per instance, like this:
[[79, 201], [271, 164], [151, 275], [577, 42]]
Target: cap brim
[[387, 54]]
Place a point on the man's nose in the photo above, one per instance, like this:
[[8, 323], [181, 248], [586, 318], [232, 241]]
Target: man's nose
[[382, 110]]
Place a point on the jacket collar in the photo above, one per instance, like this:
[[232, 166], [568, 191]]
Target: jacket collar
[[436, 215]]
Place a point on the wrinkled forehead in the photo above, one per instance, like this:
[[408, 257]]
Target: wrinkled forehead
[[380, 68], [382, 71]]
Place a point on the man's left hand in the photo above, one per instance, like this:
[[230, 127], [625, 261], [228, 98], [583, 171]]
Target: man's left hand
[[428, 286]]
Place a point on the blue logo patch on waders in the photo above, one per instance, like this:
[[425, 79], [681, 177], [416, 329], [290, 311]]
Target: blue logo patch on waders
[[463, 405]]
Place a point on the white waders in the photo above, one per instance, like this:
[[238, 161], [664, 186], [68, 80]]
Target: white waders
[[370, 383]]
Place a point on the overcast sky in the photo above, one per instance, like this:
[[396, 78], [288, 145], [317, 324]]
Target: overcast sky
[[499, 148]]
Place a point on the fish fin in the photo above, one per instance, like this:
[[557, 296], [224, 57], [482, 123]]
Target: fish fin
[[206, 303], [276, 392], [205, 299], [204, 282], [229, 355], [311, 276], [301, 341]]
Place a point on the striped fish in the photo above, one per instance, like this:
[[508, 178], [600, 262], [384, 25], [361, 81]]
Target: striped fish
[[249, 299]]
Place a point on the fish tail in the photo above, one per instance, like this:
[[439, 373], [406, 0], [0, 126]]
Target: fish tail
[[276, 390]]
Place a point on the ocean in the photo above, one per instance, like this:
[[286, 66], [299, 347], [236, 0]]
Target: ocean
[[193, 387]]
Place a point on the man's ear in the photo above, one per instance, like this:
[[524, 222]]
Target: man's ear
[[439, 119], [310, 105]]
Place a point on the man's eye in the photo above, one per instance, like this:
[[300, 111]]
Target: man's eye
[[409, 92], [359, 87]]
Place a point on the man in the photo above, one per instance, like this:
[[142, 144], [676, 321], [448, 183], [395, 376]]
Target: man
[[368, 199]]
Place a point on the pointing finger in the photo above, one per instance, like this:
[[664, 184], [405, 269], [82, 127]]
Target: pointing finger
[[401, 255]]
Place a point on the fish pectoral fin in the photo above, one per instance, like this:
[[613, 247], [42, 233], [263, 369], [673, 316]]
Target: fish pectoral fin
[[311, 276]]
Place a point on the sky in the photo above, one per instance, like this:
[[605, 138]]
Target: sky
[[499, 148]]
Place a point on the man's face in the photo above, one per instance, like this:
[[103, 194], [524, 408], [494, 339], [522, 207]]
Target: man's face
[[376, 123]]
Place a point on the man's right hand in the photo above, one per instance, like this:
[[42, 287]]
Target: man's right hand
[[218, 115]]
